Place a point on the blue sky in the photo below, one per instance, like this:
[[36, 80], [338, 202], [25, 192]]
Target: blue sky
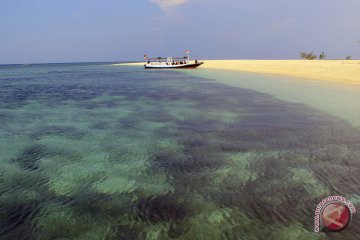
[[33, 31]]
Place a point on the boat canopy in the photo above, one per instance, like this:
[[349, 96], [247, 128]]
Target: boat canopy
[[162, 58]]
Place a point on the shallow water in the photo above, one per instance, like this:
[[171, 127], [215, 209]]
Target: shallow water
[[105, 152], [336, 98]]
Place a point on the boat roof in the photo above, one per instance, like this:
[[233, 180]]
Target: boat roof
[[159, 58]]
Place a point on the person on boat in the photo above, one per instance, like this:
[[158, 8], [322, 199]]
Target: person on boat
[[196, 61]]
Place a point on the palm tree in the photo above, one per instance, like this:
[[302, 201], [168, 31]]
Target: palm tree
[[322, 56]]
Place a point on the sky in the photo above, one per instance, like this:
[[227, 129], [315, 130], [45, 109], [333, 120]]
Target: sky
[[43, 31]]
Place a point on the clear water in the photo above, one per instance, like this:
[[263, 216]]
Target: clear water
[[335, 98], [105, 152]]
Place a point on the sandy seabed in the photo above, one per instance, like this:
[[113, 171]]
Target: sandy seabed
[[334, 70]]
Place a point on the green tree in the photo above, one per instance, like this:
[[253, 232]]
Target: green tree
[[322, 56], [308, 55]]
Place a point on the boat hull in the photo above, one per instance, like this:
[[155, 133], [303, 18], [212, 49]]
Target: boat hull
[[190, 65]]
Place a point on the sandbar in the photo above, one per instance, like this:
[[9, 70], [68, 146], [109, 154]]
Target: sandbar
[[346, 71]]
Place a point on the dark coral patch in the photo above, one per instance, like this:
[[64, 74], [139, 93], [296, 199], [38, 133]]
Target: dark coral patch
[[161, 209], [15, 220], [193, 163], [29, 159]]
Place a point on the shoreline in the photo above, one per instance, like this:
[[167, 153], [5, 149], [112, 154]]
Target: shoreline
[[344, 71]]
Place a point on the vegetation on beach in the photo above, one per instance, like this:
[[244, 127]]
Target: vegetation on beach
[[312, 56], [322, 56], [308, 55]]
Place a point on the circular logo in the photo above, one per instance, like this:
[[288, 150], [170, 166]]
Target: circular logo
[[335, 216]]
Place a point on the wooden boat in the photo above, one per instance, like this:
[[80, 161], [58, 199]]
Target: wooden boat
[[171, 62]]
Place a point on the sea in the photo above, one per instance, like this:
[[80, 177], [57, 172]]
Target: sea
[[98, 151]]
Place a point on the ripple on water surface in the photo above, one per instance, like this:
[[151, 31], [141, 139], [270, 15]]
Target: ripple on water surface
[[102, 152]]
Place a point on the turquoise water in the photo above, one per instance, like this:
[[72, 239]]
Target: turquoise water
[[109, 152], [332, 97]]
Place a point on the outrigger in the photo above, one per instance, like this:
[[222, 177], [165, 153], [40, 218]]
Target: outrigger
[[172, 62]]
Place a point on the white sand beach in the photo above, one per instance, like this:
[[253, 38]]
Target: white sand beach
[[333, 70]]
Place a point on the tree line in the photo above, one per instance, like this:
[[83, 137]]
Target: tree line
[[322, 56], [313, 56]]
